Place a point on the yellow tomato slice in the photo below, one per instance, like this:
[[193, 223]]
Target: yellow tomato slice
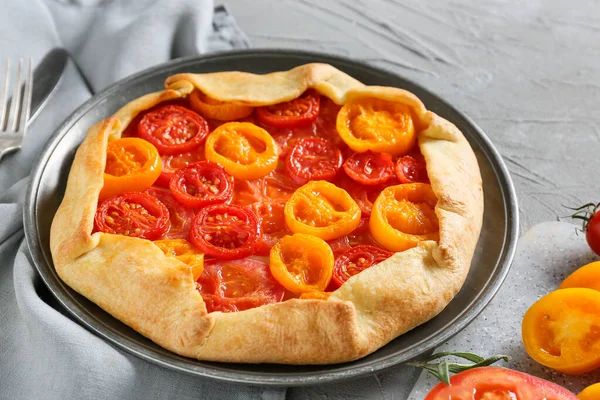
[[132, 164], [562, 330], [403, 215], [243, 149], [322, 209], [302, 263], [183, 250], [316, 295], [217, 109], [587, 276], [377, 125]]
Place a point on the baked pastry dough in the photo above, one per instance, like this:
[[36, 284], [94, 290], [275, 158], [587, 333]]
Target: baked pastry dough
[[156, 295]]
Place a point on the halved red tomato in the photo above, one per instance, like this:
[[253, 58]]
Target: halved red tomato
[[292, 114], [225, 232], [313, 159], [172, 163], [180, 216], [237, 285], [498, 383], [411, 169], [173, 129], [202, 183], [369, 168], [356, 260], [134, 214]]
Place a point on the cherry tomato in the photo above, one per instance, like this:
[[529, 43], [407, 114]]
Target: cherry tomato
[[369, 168], [173, 129], [411, 169], [592, 233], [172, 163], [498, 383], [132, 164], [324, 127], [356, 260], [313, 159], [322, 209], [591, 392], [243, 149], [377, 125], [302, 263], [180, 216], [403, 215], [562, 330], [292, 114], [238, 285], [200, 184], [225, 232], [219, 110], [132, 214], [182, 250]]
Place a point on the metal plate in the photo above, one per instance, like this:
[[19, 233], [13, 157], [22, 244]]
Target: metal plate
[[490, 265]]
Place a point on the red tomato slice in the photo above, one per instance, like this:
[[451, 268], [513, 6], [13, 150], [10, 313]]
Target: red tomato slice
[[134, 214], [272, 224], [411, 169], [369, 168], [200, 184], [339, 245], [172, 163], [313, 159], [365, 196], [225, 232], [292, 114], [498, 383], [355, 260], [237, 285], [180, 216], [173, 129]]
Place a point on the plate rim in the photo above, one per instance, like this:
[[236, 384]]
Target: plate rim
[[467, 315]]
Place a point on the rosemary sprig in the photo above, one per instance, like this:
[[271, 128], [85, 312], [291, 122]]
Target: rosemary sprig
[[443, 369]]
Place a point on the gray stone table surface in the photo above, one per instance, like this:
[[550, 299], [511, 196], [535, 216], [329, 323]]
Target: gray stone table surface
[[527, 72]]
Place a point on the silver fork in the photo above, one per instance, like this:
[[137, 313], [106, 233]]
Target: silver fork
[[14, 113]]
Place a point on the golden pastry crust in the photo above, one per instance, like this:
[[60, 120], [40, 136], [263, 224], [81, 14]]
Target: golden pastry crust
[[132, 279]]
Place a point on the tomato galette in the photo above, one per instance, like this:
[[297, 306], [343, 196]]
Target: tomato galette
[[296, 217]]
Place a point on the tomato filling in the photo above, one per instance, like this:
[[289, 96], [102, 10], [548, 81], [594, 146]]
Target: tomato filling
[[280, 181]]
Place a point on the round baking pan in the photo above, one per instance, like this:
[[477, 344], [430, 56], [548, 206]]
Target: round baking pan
[[491, 262]]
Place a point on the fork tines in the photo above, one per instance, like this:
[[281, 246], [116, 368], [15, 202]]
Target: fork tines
[[14, 112]]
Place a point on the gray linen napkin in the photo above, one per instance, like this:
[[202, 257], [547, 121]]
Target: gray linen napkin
[[43, 353]]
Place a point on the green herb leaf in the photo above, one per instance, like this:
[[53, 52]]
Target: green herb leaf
[[443, 369]]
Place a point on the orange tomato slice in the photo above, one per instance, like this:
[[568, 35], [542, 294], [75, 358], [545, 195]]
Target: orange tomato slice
[[132, 165], [302, 263], [183, 250], [243, 149], [216, 109], [591, 392], [376, 125], [562, 330], [403, 215], [316, 295], [587, 276], [321, 209]]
